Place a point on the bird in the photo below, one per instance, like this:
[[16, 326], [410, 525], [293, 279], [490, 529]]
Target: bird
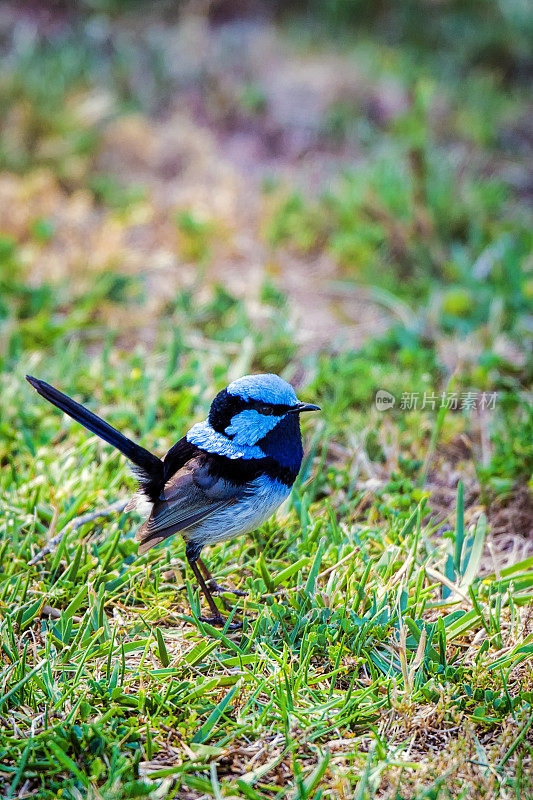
[[225, 477]]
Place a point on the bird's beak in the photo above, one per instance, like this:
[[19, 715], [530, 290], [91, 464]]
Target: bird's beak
[[303, 407]]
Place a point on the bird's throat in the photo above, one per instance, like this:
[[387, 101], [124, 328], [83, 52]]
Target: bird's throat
[[284, 443]]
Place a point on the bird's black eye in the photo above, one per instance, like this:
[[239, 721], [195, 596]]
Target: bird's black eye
[[264, 409]]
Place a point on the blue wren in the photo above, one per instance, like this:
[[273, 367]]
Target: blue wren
[[226, 476]]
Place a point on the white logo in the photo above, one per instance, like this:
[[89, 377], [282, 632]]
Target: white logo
[[384, 400]]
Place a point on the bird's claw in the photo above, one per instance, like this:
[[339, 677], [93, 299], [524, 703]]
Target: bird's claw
[[217, 589], [220, 622]]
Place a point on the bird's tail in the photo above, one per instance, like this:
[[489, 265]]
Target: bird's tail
[[148, 468]]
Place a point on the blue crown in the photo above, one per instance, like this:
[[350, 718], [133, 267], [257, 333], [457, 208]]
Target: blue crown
[[266, 388]]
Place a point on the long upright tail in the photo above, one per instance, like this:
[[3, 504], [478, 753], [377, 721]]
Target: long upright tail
[[149, 467]]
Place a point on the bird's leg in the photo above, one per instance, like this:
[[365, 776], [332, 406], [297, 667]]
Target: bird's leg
[[213, 585], [217, 616], [217, 619]]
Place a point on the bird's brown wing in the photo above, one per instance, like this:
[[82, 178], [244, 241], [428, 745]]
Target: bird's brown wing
[[190, 495]]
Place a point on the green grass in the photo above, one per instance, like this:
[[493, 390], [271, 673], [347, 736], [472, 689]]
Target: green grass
[[348, 627], [384, 652]]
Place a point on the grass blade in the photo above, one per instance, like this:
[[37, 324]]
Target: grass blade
[[161, 648], [206, 729], [459, 529]]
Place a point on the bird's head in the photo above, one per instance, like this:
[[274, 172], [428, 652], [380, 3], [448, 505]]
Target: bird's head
[[251, 407], [253, 417]]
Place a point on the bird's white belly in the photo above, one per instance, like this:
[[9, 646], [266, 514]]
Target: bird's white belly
[[259, 503]]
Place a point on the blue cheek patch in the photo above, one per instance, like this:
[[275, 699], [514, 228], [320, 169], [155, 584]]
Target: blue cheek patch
[[203, 435], [248, 427]]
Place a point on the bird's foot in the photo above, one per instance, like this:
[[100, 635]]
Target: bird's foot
[[220, 621], [217, 588]]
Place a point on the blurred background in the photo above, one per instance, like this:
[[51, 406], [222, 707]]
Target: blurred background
[[335, 191]]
